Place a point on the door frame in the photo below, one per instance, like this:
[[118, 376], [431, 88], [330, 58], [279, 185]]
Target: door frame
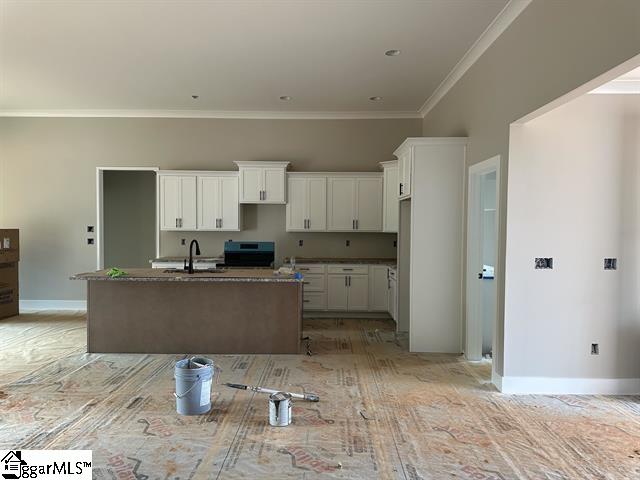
[[473, 316], [100, 209]]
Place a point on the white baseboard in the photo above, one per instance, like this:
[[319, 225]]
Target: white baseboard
[[567, 386], [40, 305]]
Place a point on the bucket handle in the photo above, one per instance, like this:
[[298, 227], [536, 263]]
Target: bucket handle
[[216, 370]]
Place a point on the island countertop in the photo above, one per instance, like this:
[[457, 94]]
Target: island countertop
[[159, 275]]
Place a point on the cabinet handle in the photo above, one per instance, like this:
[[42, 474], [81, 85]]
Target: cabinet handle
[[353, 224], [347, 269], [220, 223], [345, 280], [400, 188], [308, 223], [306, 283], [357, 224], [349, 277], [176, 223], [306, 301]]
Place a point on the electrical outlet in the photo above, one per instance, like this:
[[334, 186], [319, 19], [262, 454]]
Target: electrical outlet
[[183, 241], [595, 349], [395, 243], [348, 243], [543, 263], [610, 263], [90, 229], [90, 241], [300, 243]]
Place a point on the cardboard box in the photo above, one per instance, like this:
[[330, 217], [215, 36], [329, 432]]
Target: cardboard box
[[9, 295], [9, 245]]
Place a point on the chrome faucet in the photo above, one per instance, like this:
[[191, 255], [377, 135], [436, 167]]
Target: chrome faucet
[[190, 270]]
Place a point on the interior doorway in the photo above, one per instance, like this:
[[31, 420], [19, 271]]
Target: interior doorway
[[127, 217], [482, 256]]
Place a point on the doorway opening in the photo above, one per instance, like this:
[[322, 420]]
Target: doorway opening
[[482, 256], [127, 217]]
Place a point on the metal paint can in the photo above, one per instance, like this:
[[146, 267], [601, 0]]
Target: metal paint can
[[279, 409]]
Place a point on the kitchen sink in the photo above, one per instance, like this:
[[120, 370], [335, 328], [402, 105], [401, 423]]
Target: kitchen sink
[[203, 270]]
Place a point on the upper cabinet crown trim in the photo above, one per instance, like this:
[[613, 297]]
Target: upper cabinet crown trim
[[389, 163], [334, 174], [416, 141], [199, 173], [260, 163]]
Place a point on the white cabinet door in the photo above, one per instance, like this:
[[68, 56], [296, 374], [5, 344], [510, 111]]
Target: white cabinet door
[[229, 204], [369, 204], [208, 203], [341, 214], [314, 301], [378, 288], [297, 204], [391, 207], [358, 294], [393, 299], [274, 185], [177, 202], [251, 184], [188, 200], [404, 174], [337, 298], [169, 202], [317, 204]]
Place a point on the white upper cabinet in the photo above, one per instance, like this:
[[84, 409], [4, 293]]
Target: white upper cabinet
[[262, 182], [390, 202], [218, 205], [354, 203], [405, 160], [199, 201], [307, 203], [177, 202]]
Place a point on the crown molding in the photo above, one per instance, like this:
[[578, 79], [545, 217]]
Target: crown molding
[[221, 114], [499, 24]]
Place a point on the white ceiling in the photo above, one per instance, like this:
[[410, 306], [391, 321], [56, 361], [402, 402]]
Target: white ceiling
[[328, 55]]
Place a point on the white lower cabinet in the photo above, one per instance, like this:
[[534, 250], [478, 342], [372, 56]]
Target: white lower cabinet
[[337, 292], [346, 287], [379, 288]]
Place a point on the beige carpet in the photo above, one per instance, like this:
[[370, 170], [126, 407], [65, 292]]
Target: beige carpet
[[384, 413]]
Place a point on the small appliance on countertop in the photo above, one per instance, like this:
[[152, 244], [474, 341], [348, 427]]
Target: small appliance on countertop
[[249, 254]]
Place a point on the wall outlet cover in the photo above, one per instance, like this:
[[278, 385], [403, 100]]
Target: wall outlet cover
[[183, 241], [300, 243], [90, 241], [348, 243], [90, 228], [610, 263], [595, 349]]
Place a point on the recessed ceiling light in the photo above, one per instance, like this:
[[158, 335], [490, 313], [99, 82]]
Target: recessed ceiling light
[[195, 97], [285, 97], [375, 99], [392, 53]]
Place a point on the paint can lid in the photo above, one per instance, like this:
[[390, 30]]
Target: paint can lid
[[279, 396]]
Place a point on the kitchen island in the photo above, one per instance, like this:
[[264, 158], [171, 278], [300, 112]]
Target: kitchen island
[[237, 311]]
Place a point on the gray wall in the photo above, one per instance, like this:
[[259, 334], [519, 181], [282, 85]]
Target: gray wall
[[49, 165], [129, 213], [550, 49]]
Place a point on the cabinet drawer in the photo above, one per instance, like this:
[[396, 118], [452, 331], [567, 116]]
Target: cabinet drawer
[[348, 269], [314, 301], [310, 268], [313, 282]]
